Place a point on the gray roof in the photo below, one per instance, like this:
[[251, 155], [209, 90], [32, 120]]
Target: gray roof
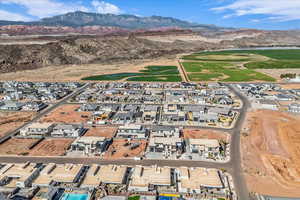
[[163, 128]]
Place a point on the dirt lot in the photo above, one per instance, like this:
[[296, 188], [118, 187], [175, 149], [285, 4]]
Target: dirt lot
[[118, 149], [66, 114], [275, 73], [271, 153], [107, 132], [205, 134], [16, 146], [77, 72], [291, 86], [12, 120], [51, 147]]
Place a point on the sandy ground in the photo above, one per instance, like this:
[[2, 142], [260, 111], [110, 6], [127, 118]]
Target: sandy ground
[[66, 114], [290, 86], [51, 147], [271, 153], [108, 132], [205, 134], [121, 151], [275, 73], [186, 38], [77, 72], [16, 146], [10, 121]]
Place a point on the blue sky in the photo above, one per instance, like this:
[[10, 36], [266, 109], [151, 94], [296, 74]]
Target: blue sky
[[262, 14]]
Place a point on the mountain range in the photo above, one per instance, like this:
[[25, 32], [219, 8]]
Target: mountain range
[[80, 19], [84, 38]]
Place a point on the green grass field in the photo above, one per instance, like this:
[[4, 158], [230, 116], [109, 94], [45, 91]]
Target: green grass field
[[172, 78], [239, 65], [203, 71], [134, 198], [274, 64], [200, 66], [203, 76], [149, 74], [279, 54], [227, 66], [110, 77]]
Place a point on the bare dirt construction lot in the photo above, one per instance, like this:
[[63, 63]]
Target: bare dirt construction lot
[[66, 114], [77, 72], [51, 147], [271, 153], [121, 148], [107, 132], [16, 146], [205, 134], [10, 121]]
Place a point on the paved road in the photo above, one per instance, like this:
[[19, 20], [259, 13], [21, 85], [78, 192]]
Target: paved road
[[130, 162], [235, 150], [44, 112]]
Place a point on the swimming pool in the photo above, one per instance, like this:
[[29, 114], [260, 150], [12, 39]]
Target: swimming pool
[[70, 196]]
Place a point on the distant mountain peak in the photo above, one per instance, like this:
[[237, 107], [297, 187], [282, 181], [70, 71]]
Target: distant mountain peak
[[124, 21]]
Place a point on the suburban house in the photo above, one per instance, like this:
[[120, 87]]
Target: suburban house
[[113, 174], [151, 179], [220, 111], [34, 106], [194, 180], [66, 174], [37, 130], [88, 107], [284, 97], [124, 117], [294, 107], [67, 130], [132, 131], [267, 104], [18, 175], [11, 106], [89, 145], [166, 146], [165, 131], [204, 147], [149, 116]]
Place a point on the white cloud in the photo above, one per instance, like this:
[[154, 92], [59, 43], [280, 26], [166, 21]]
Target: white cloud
[[105, 7], [8, 16], [255, 20], [46, 8], [279, 10]]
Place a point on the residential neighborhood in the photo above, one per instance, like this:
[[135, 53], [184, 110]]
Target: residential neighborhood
[[125, 137]]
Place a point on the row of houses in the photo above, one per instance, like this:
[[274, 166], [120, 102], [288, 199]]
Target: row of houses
[[168, 114], [269, 91], [138, 179], [36, 91], [139, 86], [34, 106], [163, 142], [202, 95], [271, 96]]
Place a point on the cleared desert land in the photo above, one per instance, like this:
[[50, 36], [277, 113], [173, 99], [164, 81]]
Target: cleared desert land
[[271, 153]]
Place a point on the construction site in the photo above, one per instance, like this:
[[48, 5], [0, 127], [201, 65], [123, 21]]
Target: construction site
[[270, 153]]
